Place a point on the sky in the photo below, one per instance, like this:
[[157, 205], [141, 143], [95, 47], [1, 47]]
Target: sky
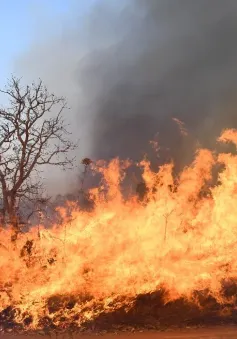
[[32, 38], [22, 20]]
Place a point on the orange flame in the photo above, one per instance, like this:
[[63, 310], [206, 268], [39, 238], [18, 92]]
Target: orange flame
[[179, 239]]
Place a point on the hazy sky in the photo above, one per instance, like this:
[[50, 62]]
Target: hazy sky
[[22, 20]]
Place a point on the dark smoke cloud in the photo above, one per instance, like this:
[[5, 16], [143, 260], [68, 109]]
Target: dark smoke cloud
[[178, 59], [130, 66]]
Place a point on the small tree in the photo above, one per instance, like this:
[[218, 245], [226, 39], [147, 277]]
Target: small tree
[[32, 134]]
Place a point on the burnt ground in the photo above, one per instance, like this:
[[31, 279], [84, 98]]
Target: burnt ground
[[225, 332]]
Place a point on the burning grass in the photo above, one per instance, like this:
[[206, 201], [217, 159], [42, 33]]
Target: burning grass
[[148, 311], [167, 260]]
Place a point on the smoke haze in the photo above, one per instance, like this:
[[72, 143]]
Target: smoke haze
[[129, 67]]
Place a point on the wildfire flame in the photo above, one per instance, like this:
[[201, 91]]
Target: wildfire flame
[[181, 238]]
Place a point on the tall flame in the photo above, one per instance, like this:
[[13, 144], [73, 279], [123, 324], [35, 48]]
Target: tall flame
[[182, 238]]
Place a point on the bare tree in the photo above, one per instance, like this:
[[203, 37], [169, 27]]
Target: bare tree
[[33, 134]]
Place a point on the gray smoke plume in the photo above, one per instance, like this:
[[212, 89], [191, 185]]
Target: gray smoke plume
[[131, 66], [177, 59]]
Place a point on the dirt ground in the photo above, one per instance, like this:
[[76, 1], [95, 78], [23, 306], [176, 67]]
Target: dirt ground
[[200, 333]]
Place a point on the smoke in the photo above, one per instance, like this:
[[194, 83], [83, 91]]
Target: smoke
[[129, 67], [177, 59]]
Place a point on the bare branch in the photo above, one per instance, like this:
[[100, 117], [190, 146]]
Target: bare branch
[[32, 134]]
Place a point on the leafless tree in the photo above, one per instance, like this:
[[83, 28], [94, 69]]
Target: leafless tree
[[33, 134]]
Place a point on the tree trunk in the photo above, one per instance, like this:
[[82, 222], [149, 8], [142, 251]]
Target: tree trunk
[[14, 227], [2, 217], [13, 218]]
